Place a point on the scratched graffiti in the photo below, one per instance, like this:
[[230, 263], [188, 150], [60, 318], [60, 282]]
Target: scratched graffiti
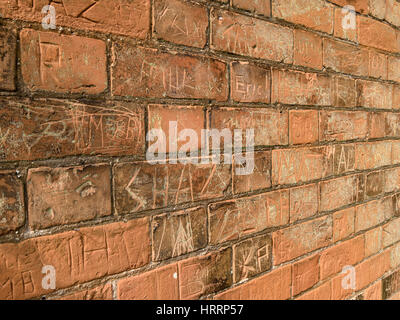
[[51, 128]]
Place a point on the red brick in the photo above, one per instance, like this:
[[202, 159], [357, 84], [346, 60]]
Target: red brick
[[307, 49], [345, 33], [340, 288], [178, 233], [373, 241], [125, 17], [203, 275], [186, 117], [342, 125], [290, 166], [8, 50], [377, 34], [250, 83], [158, 284], [377, 8], [252, 257], [272, 286], [322, 292], [315, 14], [373, 155], [45, 128], [373, 213], [259, 179], [67, 195], [103, 292], [392, 12], [391, 233], [258, 6], [233, 219], [303, 127], [392, 125], [377, 125], [343, 224], [294, 87], [77, 256], [372, 269], [374, 184], [180, 22], [341, 192], [346, 253], [345, 92], [141, 186], [250, 37], [378, 65], [12, 215], [300, 239], [391, 285], [346, 58], [340, 159], [305, 274], [374, 94], [143, 72], [303, 202], [61, 63], [361, 6], [393, 68], [270, 126], [374, 292]]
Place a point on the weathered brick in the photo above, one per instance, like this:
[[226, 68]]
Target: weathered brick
[[341, 192], [346, 58], [45, 128], [377, 8], [391, 285], [315, 14], [143, 72], [251, 257], [373, 241], [374, 184], [12, 214], [259, 179], [307, 49], [392, 125], [125, 17], [178, 233], [378, 65], [361, 6], [62, 63], [59, 196], [258, 6], [250, 83], [345, 92], [158, 284], [373, 155], [305, 274], [272, 286], [392, 12], [8, 45], [393, 68], [103, 292], [303, 202], [180, 22], [373, 213], [341, 17], [303, 126], [340, 159], [77, 256], [144, 186], [342, 125], [203, 275], [233, 219], [250, 37], [374, 94], [270, 126], [322, 292], [391, 232], [343, 224], [290, 166], [377, 34], [300, 239], [374, 292], [377, 125], [295, 87]]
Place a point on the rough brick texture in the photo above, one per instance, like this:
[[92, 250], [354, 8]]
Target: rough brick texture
[[317, 217]]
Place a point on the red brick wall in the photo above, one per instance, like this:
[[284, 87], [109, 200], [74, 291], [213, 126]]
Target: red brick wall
[[76, 191]]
